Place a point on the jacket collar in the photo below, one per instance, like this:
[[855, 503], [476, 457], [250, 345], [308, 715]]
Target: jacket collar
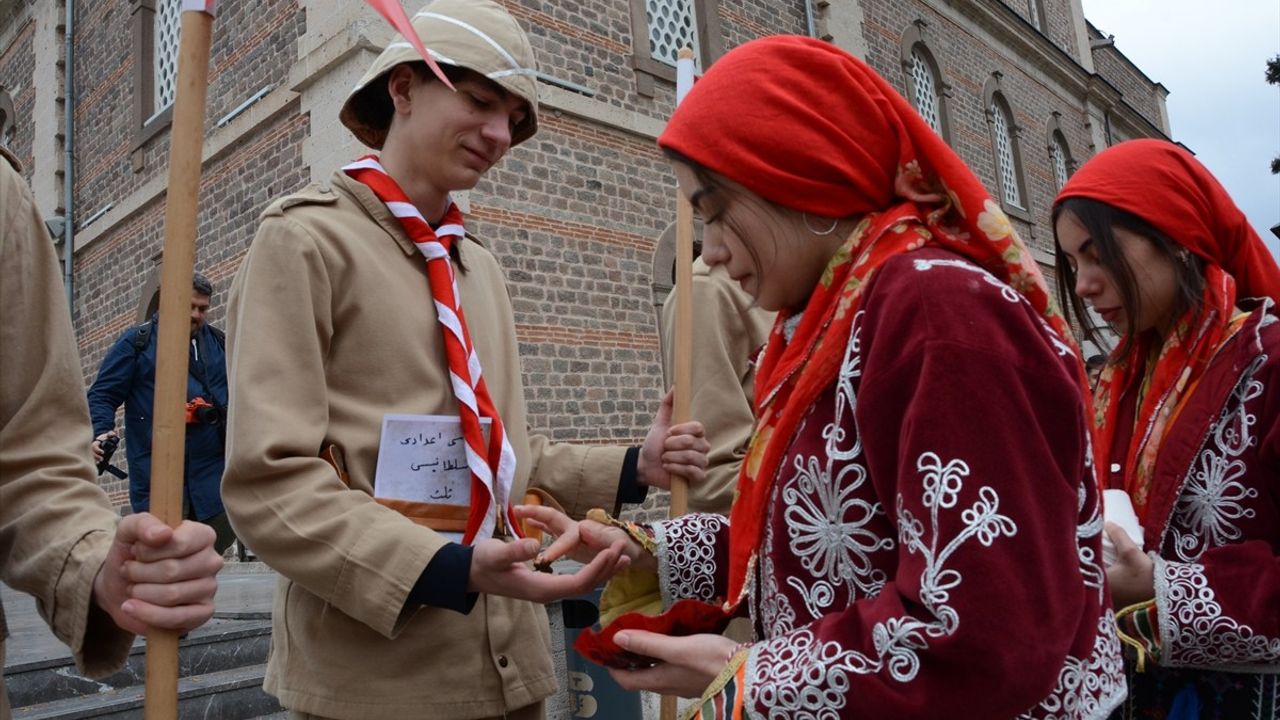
[[376, 209]]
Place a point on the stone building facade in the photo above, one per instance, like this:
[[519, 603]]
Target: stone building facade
[[1024, 90]]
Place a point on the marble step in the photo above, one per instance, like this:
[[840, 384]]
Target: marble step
[[234, 694], [223, 644]]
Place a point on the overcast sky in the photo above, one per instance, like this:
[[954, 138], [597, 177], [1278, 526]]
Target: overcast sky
[[1211, 57]]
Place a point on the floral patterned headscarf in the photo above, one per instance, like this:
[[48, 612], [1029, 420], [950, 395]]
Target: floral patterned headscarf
[[810, 127]]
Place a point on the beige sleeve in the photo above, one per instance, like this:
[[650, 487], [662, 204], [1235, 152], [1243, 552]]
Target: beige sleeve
[[283, 500], [579, 477], [727, 331], [56, 524]]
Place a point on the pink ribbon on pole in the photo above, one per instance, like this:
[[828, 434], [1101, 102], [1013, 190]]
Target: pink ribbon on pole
[[394, 14]]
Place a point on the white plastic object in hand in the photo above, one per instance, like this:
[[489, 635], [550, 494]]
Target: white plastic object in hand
[[1118, 509]]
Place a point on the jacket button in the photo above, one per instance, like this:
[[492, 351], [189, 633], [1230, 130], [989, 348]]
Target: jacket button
[[502, 661]]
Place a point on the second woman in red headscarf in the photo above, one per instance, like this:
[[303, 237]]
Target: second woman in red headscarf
[[1186, 415]]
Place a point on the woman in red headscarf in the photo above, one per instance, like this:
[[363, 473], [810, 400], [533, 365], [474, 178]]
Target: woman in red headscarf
[[1186, 416], [916, 532]]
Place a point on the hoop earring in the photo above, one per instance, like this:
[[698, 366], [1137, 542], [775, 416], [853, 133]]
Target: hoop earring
[[828, 231]]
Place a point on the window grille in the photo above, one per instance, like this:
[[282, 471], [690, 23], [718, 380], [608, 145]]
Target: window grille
[[168, 25], [1001, 127], [1058, 151], [671, 27], [926, 90]]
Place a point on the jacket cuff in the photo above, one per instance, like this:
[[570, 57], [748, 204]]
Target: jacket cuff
[[629, 488], [99, 647], [443, 583]]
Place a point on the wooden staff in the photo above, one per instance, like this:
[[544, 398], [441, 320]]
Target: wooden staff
[[682, 370], [174, 330]]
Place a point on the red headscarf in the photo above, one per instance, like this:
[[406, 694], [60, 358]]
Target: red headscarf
[[1165, 185], [1168, 188], [810, 127]]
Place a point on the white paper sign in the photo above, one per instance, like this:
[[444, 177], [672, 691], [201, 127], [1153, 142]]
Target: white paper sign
[[423, 458]]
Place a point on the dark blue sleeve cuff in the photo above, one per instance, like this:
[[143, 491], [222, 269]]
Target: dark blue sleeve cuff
[[629, 488], [443, 583]]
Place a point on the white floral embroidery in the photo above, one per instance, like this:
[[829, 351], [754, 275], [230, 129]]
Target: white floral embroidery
[[795, 676], [777, 617], [1088, 542], [1006, 292], [687, 556], [1088, 688], [827, 524], [1193, 629], [826, 518], [1266, 697], [1212, 499], [942, 484]]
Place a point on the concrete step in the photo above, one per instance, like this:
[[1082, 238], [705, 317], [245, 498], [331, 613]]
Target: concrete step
[[234, 694], [222, 644]]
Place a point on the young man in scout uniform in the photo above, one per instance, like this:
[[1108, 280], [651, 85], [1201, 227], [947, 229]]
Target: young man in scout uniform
[[363, 300]]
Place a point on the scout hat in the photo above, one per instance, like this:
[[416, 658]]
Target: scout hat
[[478, 35]]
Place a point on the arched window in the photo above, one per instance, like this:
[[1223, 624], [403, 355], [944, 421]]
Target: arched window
[[1059, 152], [1002, 132], [1004, 143], [925, 88]]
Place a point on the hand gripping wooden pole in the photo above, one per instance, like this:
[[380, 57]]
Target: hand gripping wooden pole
[[682, 369], [174, 331]]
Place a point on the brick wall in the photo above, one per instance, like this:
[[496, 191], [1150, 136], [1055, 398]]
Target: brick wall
[[1136, 90], [573, 215], [17, 70], [253, 47], [967, 61]]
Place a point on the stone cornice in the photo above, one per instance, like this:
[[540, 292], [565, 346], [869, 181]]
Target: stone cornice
[[1029, 45], [1026, 43]]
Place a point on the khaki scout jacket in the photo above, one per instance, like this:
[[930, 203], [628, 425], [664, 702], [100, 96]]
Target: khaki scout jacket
[[332, 326], [56, 524], [729, 329]]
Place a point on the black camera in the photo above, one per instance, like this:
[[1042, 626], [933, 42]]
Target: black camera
[[109, 445]]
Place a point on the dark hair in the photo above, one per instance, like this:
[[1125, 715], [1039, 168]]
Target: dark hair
[[201, 285], [1098, 219], [372, 106], [1094, 361]]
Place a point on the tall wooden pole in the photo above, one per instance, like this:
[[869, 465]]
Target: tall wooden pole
[[682, 371], [169, 426]]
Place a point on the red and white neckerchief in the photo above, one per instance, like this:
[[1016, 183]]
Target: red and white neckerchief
[[490, 490]]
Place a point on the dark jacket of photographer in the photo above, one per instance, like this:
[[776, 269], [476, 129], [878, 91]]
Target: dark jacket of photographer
[[127, 376]]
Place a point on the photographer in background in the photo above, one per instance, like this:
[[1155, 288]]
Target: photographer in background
[[127, 376]]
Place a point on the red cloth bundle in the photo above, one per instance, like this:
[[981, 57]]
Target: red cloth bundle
[[686, 617]]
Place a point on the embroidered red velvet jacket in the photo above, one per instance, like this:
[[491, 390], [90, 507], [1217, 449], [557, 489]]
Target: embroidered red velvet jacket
[[933, 542], [1215, 629]]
